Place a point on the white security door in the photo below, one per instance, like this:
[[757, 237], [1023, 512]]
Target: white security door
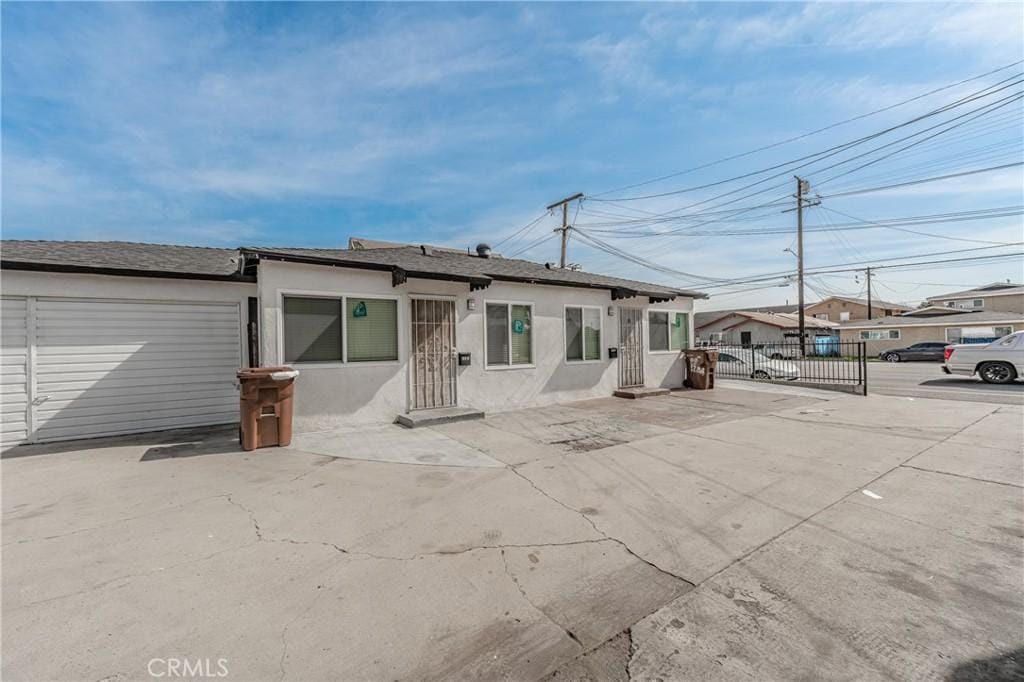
[[14, 376], [111, 367], [433, 353]]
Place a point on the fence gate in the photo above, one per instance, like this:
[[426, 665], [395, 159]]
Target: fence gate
[[631, 347], [824, 363], [433, 351]]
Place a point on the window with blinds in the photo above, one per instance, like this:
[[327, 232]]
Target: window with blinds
[[657, 323], [371, 329], [312, 329], [582, 333], [679, 335], [509, 329]]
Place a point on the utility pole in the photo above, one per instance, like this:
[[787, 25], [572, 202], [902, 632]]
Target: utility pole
[[801, 187], [564, 229], [868, 271]]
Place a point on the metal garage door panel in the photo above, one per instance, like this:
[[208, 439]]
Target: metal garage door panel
[[111, 367], [13, 370]]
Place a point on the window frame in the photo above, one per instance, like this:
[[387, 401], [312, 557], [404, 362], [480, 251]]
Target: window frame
[[671, 312], [888, 338], [533, 331], [342, 297], [993, 327], [583, 327]]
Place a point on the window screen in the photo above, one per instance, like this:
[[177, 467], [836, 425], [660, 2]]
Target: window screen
[[312, 329], [573, 333], [372, 329], [592, 333], [658, 323], [522, 335], [680, 332], [497, 334]]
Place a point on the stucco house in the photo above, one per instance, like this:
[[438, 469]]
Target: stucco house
[[846, 309], [1005, 297], [900, 331], [744, 327], [103, 338]]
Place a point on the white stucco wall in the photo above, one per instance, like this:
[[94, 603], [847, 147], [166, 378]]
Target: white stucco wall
[[328, 396]]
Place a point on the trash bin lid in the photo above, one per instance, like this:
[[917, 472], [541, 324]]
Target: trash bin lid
[[283, 374], [261, 372]]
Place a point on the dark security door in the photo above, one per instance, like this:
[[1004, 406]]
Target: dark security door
[[631, 347], [433, 353]]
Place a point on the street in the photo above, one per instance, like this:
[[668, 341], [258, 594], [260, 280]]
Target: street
[[926, 380]]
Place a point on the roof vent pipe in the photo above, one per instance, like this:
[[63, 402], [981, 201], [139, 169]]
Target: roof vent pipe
[[483, 250]]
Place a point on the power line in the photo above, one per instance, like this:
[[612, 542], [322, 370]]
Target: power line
[[923, 180], [813, 132]]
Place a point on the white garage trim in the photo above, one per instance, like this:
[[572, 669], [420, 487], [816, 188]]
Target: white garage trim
[[15, 394], [102, 367]]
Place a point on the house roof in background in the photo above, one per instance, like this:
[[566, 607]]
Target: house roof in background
[[448, 264], [711, 315], [780, 320], [124, 258], [993, 289], [967, 318], [875, 303]]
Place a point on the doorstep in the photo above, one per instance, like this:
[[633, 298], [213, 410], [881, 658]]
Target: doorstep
[[438, 415], [640, 392]]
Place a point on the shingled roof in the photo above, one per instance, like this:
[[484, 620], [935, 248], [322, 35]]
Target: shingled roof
[[198, 262], [123, 258], [432, 263]]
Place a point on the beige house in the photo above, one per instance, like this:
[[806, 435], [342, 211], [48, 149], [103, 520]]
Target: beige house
[[744, 327], [901, 331], [843, 309], [999, 297]]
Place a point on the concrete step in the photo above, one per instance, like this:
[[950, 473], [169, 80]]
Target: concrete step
[[640, 392], [438, 415]]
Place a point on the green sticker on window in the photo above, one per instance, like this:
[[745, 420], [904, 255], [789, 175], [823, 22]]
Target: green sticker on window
[[518, 327], [359, 310]]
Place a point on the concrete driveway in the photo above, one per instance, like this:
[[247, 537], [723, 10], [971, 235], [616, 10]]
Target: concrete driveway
[[751, 531]]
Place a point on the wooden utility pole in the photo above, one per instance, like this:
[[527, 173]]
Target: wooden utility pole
[[564, 229], [868, 270], [801, 187]]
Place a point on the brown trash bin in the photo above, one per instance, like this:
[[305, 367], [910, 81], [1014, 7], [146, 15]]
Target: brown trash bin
[[265, 406], [700, 367]]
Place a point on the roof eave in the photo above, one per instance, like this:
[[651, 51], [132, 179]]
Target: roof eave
[[70, 268]]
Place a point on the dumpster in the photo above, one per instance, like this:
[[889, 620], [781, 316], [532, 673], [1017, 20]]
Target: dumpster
[[700, 367], [265, 406]]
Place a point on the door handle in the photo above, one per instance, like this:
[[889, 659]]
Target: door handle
[[41, 399]]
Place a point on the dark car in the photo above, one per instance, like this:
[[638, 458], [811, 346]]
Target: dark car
[[929, 350]]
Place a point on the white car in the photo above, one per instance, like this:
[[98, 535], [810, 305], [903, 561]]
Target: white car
[[747, 362], [998, 362]]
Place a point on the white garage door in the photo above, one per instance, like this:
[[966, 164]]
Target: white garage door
[[13, 370], [111, 367]]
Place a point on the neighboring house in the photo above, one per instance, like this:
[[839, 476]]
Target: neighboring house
[[747, 327], [998, 296], [900, 331], [103, 338], [700, 319], [844, 309]]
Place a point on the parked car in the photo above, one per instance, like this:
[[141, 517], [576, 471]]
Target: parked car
[[929, 350], [736, 361], [998, 362], [781, 351]]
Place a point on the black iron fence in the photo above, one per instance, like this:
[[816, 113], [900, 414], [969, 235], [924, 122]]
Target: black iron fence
[[819, 363]]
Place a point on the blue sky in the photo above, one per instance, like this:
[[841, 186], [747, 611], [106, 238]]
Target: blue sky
[[304, 124]]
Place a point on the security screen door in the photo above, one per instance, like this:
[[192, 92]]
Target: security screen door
[[631, 347], [433, 353]]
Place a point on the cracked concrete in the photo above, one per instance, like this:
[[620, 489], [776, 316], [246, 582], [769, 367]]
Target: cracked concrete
[[542, 559]]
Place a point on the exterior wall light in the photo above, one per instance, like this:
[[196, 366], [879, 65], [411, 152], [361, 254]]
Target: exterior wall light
[[470, 304]]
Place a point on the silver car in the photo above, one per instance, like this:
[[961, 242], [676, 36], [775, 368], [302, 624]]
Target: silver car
[[998, 362], [736, 361]]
